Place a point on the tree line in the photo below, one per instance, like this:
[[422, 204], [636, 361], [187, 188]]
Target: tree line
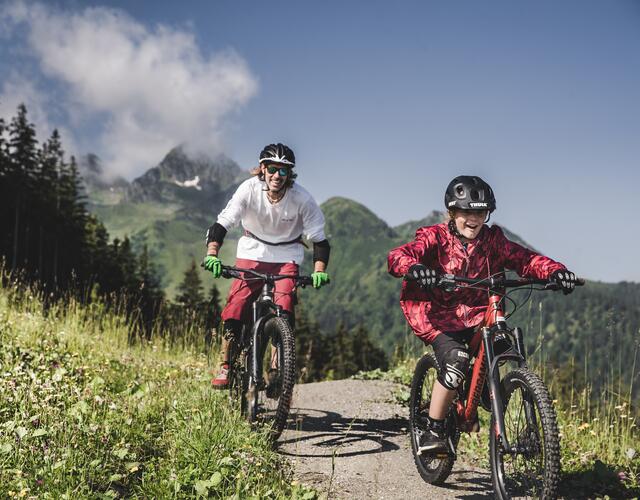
[[49, 238]]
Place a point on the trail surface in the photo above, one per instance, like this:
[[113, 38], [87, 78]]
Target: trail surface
[[349, 439]]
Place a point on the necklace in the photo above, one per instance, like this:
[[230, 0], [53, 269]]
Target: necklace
[[275, 199]]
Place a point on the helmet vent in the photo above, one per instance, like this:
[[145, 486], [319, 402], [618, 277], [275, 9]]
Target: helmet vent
[[474, 195], [459, 189]]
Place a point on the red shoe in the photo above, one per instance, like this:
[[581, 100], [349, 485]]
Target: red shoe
[[221, 381]]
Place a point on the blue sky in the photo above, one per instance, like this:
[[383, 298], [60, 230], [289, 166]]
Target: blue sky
[[383, 102]]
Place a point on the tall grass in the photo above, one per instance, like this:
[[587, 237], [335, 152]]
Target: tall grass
[[86, 414]]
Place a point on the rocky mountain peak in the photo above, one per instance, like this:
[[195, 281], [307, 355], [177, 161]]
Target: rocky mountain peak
[[180, 173]]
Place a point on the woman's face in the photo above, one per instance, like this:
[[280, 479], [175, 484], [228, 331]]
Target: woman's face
[[275, 176], [469, 222]]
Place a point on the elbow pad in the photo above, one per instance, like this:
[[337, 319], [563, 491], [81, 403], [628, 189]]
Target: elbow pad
[[216, 233], [321, 251]]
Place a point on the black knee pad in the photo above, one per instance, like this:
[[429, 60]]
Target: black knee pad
[[454, 368]]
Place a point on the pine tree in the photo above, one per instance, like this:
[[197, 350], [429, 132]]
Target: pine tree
[[23, 170], [150, 292], [191, 296]]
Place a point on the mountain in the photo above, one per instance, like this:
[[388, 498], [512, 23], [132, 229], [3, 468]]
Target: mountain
[[170, 207]]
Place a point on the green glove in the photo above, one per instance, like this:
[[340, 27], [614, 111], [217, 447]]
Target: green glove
[[319, 279], [213, 264]]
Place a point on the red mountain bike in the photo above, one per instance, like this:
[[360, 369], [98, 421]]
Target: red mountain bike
[[524, 448]]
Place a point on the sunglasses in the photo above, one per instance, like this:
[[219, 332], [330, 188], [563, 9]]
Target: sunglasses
[[283, 171]]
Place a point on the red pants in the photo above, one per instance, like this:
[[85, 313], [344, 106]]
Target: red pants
[[243, 293]]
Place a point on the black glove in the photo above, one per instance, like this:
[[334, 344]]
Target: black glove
[[565, 279], [424, 276]]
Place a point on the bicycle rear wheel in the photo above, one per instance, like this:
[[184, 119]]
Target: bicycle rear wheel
[[531, 468], [270, 397], [433, 470]]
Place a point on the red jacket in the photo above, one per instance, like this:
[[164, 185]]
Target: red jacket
[[431, 312]]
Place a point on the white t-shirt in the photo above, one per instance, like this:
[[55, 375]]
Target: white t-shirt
[[297, 213]]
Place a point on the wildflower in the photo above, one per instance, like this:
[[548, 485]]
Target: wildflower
[[583, 426]]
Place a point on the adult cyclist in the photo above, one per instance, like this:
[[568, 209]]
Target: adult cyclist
[[275, 213]]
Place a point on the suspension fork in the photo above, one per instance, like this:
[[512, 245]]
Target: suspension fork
[[497, 406], [256, 369], [528, 402]]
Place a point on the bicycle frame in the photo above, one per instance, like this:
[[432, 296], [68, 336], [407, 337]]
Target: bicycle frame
[[262, 309], [481, 348]]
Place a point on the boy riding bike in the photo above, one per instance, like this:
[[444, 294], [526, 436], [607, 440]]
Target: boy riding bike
[[464, 246], [275, 213]]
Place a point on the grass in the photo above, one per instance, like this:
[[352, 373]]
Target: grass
[[83, 414]]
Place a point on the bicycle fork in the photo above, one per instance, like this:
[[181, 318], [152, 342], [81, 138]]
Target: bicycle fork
[[497, 404], [497, 407]]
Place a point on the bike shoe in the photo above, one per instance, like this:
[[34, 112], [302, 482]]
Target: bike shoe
[[431, 442], [221, 380], [273, 384]]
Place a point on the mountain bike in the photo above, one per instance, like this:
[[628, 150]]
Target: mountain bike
[[524, 445], [265, 344]]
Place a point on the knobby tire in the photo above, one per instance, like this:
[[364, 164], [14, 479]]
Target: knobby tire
[[534, 469], [269, 403]]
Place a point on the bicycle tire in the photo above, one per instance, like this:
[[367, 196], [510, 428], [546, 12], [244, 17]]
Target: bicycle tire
[[533, 468], [433, 470], [269, 402]]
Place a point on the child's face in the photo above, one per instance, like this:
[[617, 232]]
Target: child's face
[[469, 222]]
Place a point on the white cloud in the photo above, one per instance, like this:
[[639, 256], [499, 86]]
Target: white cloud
[[154, 86]]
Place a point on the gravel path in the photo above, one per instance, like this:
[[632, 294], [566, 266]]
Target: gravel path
[[349, 439]]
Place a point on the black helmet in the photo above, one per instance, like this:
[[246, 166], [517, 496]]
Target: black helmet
[[278, 153], [468, 192]]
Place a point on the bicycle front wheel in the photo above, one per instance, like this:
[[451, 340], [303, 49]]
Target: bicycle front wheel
[[531, 467], [271, 396]]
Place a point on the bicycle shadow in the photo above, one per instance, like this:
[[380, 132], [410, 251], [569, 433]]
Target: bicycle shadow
[[469, 484], [329, 434]]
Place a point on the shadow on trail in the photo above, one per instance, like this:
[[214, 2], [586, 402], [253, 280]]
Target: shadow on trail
[[329, 434], [471, 484]]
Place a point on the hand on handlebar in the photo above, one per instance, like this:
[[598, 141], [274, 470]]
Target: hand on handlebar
[[425, 277], [214, 264], [320, 279], [565, 279]]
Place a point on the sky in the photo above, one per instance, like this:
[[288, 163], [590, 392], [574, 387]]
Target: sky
[[383, 102]]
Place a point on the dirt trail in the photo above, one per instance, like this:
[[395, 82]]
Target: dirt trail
[[349, 439]]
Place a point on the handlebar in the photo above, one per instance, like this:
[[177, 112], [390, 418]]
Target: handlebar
[[238, 272], [451, 280]]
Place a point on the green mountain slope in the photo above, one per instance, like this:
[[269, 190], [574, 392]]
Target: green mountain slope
[[170, 217]]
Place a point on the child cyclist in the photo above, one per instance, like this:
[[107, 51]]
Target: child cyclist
[[464, 245]]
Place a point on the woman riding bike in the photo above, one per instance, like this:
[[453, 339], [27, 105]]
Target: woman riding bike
[[275, 214], [463, 246]]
